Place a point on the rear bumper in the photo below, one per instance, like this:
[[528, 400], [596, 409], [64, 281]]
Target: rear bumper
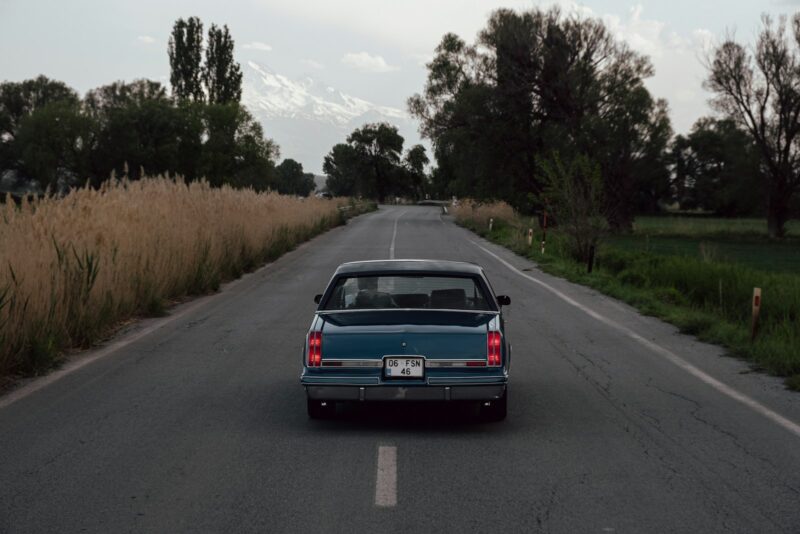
[[406, 393]]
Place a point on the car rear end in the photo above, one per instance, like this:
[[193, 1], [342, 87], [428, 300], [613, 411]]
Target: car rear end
[[362, 346]]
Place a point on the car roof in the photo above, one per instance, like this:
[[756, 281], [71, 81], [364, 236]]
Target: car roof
[[408, 265]]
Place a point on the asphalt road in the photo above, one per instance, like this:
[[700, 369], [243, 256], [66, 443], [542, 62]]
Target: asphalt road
[[197, 422]]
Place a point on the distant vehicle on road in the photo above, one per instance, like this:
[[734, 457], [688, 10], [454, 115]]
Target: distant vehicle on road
[[407, 330], [323, 194]]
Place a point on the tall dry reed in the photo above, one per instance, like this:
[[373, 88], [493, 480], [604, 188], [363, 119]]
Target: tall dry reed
[[481, 212], [72, 267]]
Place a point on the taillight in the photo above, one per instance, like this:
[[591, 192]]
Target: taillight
[[494, 348], [314, 349]]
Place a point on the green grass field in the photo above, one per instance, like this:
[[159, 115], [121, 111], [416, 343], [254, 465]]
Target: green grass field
[[747, 250], [698, 274], [706, 227]]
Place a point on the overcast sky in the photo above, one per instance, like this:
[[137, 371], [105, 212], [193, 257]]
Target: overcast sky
[[371, 49]]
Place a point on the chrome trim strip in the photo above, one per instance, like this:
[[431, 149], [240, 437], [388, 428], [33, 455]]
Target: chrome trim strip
[[455, 363], [343, 364], [327, 312]]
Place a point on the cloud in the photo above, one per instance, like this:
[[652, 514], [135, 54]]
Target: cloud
[[146, 39], [313, 64], [367, 63], [257, 45]]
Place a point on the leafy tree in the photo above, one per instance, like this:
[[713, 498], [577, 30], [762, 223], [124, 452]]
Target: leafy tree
[[538, 82], [54, 143], [341, 165], [414, 161], [185, 53], [135, 128], [291, 180], [19, 100], [760, 91], [236, 150], [574, 194], [717, 168], [221, 74]]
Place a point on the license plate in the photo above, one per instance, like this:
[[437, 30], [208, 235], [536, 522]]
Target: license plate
[[403, 367]]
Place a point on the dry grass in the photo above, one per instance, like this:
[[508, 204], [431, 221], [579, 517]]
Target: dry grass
[[72, 268], [481, 212]]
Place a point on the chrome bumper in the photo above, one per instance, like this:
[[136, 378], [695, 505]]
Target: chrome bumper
[[406, 393]]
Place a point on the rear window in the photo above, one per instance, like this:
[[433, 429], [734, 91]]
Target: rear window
[[407, 291]]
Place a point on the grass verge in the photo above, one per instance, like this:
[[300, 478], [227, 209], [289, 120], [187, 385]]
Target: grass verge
[[73, 268], [703, 297]]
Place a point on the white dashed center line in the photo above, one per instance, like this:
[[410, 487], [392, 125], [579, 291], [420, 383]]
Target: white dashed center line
[[386, 482], [394, 236]]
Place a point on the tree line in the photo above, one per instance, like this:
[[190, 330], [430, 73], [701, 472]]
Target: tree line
[[539, 90], [51, 136], [372, 164]]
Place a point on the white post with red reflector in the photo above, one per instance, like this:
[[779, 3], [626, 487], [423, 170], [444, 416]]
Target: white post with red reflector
[[491, 223], [756, 312], [530, 236]]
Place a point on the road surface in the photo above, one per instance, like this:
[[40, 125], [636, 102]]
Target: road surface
[[197, 422]]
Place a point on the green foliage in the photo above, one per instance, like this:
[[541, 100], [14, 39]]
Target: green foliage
[[537, 82], [222, 75], [135, 128], [185, 53], [53, 144], [236, 151], [370, 165], [709, 299], [17, 102], [574, 195], [717, 169], [291, 180]]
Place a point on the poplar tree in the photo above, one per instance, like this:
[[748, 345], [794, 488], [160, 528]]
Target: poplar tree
[[221, 74], [185, 55]]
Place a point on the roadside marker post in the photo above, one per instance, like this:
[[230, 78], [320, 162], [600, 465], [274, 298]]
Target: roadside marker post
[[491, 223], [544, 230], [756, 312], [530, 236]]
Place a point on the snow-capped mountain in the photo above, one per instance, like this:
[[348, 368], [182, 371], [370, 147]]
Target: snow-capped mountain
[[306, 117]]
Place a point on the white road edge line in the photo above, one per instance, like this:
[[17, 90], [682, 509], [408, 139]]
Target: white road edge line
[[394, 236], [726, 390], [386, 481]]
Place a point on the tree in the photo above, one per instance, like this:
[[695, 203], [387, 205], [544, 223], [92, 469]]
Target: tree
[[341, 165], [221, 74], [236, 151], [185, 53], [18, 100], [135, 128], [414, 161], [54, 145], [378, 148], [717, 167], [574, 194], [760, 91], [538, 82], [291, 180]]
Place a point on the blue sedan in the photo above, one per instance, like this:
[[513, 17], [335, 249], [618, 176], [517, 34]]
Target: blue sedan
[[407, 330]]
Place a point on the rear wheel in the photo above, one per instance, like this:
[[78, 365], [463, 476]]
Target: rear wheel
[[496, 409], [320, 409]]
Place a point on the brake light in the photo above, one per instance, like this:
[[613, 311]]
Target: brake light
[[493, 348], [314, 349]]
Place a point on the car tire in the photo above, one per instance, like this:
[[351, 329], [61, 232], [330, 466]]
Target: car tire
[[496, 411], [316, 410]]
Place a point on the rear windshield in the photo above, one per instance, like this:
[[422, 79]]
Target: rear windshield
[[407, 291]]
